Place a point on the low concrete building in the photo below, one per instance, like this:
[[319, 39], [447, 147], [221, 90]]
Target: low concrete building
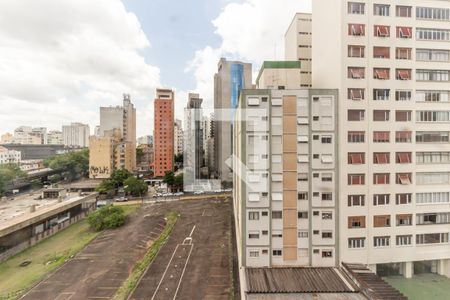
[[9, 156], [54, 193]]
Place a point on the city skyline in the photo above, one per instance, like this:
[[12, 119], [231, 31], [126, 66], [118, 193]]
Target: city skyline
[[75, 81]]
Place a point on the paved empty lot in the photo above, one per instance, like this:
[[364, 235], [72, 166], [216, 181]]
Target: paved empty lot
[[98, 270], [195, 261]]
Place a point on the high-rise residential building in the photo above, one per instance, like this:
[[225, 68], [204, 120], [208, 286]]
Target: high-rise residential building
[[209, 153], [231, 77], [6, 138], [76, 135], [163, 136], [285, 173], [9, 156], [25, 135], [193, 141], [178, 137], [207, 128], [54, 137], [115, 147], [41, 132], [390, 62], [298, 46]]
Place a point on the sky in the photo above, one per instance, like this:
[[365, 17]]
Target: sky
[[60, 60]]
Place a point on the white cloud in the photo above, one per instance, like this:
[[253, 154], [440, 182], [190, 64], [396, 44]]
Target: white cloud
[[60, 62], [251, 31]]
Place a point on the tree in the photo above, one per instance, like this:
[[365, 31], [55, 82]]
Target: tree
[[169, 178], [9, 172], [107, 217], [179, 158], [139, 155], [119, 176], [179, 181], [75, 164], [106, 186], [135, 187]]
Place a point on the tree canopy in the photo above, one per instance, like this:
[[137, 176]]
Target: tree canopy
[[74, 164], [9, 172], [134, 186]]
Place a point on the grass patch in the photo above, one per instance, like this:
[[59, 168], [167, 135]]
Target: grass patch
[[45, 257], [423, 286], [129, 285]]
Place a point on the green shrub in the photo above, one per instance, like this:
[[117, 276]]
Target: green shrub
[[107, 217]]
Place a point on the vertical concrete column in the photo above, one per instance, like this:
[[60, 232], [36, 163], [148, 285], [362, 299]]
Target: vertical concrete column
[[408, 269], [443, 267], [373, 268]]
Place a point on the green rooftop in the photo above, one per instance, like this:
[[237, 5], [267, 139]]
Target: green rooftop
[[278, 64], [421, 287]]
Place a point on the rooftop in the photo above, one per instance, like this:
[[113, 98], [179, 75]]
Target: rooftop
[[298, 280], [278, 64]]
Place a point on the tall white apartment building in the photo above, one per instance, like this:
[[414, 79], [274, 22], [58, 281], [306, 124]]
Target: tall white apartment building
[[76, 135], [298, 46], [178, 138], [390, 61], [285, 174]]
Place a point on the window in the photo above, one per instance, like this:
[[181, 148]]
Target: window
[[303, 139], [432, 178], [428, 34], [356, 179], [356, 243], [327, 234], [381, 136], [328, 215], [356, 51], [403, 219], [403, 11], [432, 55], [253, 197], [381, 158], [357, 222], [253, 215], [327, 196], [356, 94], [253, 235], [432, 116], [316, 213], [277, 234], [433, 218], [302, 215], [381, 10], [302, 120], [327, 159], [277, 214], [433, 197], [254, 253], [403, 74], [326, 139], [355, 136], [316, 232], [403, 53], [381, 115], [403, 199], [432, 13], [302, 177], [382, 31], [403, 178], [355, 72], [382, 221], [403, 136], [432, 96], [355, 115], [277, 196], [381, 94], [356, 158], [316, 156], [432, 137], [327, 254], [403, 240], [432, 238], [404, 32], [403, 95], [381, 73], [356, 8], [356, 29], [327, 177], [381, 241], [303, 158], [432, 75], [355, 200], [381, 199], [432, 157], [381, 52], [264, 214], [402, 115], [381, 178], [277, 252], [303, 196], [302, 234], [403, 157]]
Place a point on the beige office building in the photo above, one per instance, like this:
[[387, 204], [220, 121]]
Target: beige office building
[[390, 61], [285, 173], [298, 46]]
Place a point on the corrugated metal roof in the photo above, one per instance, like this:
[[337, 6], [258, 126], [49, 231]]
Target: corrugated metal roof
[[298, 280]]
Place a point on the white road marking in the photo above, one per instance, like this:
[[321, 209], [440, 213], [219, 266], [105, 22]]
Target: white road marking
[[165, 271], [182, 274], [192, 231]]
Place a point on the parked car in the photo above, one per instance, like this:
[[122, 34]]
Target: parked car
[[121, 199]]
